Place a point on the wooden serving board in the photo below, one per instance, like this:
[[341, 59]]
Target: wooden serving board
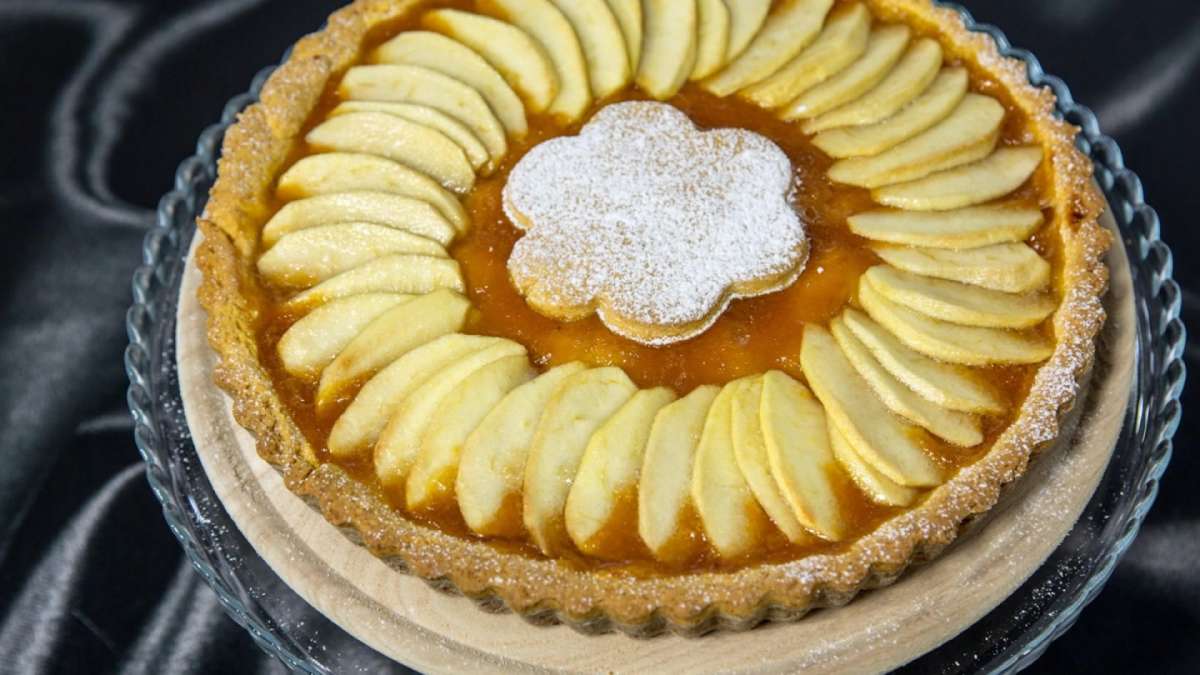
[[403, 618]]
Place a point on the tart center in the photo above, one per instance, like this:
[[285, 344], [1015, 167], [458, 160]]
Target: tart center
[[652, 223]]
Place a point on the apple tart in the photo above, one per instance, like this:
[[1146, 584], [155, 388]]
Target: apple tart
[[663, 314]]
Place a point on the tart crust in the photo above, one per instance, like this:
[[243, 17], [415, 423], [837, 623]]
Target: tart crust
[[547, 590]]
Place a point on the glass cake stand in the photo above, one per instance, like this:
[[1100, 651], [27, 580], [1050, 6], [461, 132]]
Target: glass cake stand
[[1007, 639]]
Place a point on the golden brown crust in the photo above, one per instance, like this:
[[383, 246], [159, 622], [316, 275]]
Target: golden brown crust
[[540, 589]]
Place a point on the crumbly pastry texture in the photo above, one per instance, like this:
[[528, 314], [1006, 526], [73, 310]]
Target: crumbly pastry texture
[[258, 146], [652, 223]]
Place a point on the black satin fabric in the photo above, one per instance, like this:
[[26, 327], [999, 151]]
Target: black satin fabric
[[100, 99]]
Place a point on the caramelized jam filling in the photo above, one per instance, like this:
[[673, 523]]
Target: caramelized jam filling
[[752, 336]]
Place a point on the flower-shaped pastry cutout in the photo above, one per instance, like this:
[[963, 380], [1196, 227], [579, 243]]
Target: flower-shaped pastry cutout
[[652, 223]]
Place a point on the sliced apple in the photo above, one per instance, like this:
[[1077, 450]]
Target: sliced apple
[[746, 17], [959, 428], [912, 74], [967, 135], [314, 341], [583, 403], [313, 255], [491, 471], [878, 487], [933, 105], [786, 32], [712, 37], [519, 58], [601, 510], [456, 131], [840, 43], [966, 345], [946, 384], [400, 441], [861, 174], [430, 485], [880, 438], [602, 42], [348, 172], [397, 273], [1013, 267], [885, 45], [389, 337], [668, 47], [628, 14], [970, 227], [414, 145], [793, 427], [382, 208], [750, 452], [960, 303], [400, 83], [665, 503], [1002, 172], [733, 521], [450, 57], [546, 24], [358, 427]]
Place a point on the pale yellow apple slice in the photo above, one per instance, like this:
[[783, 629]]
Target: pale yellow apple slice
[[793, 426], [878, 487], [400, 83], [628, 14], [400, 441], [733, 521], [884, 47], [575, 411], [450, 57], [399, 444], [960, 303], [602, 42], [787, 31], [712, 37], [491, 471], [880, 438], [665, 508], [967, 135], [911, 75], [414, 145], [358, 427], [946, 384], [1002, 172], [1012, 267], [546, 24], [601, 510], [961, 429], [934, 104], [314, 341], [519, 58], [348, 172], [750, 451], [746, 17], [396, 273], [430, 485], [310, 256], [840, 43], [382, 208], [456, 131], [970, 227], [966, 345], [668, 46], [389, 337]]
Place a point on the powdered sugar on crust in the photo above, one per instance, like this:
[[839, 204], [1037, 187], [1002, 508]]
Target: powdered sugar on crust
[[652, 223]]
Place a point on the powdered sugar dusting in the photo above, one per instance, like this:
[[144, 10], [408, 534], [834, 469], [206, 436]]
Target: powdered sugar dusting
[[652, 222]]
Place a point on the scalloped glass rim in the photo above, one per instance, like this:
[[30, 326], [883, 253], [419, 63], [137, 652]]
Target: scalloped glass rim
[[1006, 640]]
